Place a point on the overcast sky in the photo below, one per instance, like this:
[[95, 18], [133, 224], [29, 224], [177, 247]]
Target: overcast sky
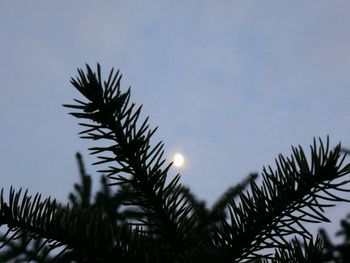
[[229, 83]]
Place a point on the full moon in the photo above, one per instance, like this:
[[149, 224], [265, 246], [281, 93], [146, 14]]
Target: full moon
[[179, 160]]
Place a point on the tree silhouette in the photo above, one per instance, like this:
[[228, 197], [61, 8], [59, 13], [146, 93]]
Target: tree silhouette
[[338, 252], [142, 214]]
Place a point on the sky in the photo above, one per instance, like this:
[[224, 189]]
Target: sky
[[231, 84]]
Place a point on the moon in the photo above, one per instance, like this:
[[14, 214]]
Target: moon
[[179, 160]]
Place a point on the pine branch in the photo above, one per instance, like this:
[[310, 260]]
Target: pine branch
[[218, 212], [296, 252], [138, 164], [340, 252], [295, 193], [172, 224], [79, 233], [83, 196], [331, 253], [106, 200], [24, 250]]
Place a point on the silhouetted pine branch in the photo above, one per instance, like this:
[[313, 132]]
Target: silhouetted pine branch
[[139, 164], [297, 192], [142, 215], [338, 252], [296, 252], [218, 211]]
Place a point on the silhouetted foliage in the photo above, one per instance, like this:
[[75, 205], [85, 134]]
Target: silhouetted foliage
[[143, 214], [339, 251]]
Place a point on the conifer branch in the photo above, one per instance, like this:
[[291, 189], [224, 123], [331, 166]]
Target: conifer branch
[[136, 162], [146, 217], [296, 252], [79, 233], [218, 211], [295, 193]]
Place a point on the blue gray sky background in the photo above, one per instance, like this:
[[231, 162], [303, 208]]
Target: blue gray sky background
[[229, 83]]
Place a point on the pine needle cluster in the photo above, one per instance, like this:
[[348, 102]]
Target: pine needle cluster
[[142, 214]]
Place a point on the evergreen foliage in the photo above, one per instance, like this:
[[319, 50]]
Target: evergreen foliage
[[142, 215], [338, 252]]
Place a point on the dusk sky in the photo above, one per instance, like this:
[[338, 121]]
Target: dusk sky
[[229, 83]]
